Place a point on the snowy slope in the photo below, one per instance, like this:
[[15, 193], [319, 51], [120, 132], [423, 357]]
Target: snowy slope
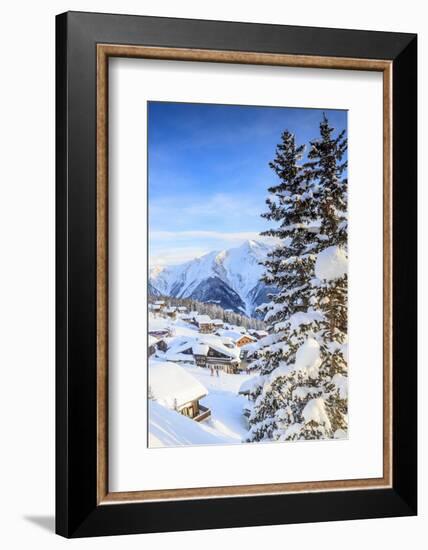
[[171, 429], [226, 405], [230, 277]]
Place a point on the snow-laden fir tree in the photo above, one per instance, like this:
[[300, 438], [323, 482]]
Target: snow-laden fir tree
[[327, 164], [289, 357], [301, 392]]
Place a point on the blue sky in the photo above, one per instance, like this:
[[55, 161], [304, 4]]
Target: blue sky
[[208, 172]]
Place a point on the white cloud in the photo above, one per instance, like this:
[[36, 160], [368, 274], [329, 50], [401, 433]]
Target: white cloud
[[232, 237], [176, 256]]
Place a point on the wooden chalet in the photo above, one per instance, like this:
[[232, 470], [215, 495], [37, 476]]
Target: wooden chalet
[[236, 337], [205, 324], [217, 356], [154, 308], [244, 340], [186, 317], [171, 312], [174, 388]]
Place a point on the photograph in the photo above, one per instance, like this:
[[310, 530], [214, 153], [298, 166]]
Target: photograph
[[247, 330]]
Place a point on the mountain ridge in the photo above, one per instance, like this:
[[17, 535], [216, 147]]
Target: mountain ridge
[[230, 277]]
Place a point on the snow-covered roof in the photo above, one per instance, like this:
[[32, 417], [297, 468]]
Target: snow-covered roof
[[227, 341], [200, 349], [252, 338], [216, 343], [152, 340], [171, 309], [217, 322], [203, 319], [176, 346], [260, 333], [253, 346], [172, 386], [249, 384], [182, 308], [233, 334], [162, 334], [158, 323], [160, 302], [233, 353]]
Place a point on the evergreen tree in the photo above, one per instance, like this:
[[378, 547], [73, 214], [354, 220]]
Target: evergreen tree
[[286, 380], [326, 162], [302, 388], [290, 205]]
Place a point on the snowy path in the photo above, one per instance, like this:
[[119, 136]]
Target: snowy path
[[226, 405]]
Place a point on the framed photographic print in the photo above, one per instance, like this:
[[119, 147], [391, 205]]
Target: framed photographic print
[[236, 274]]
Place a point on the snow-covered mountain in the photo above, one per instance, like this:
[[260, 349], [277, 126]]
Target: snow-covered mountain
[[230, 278]]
